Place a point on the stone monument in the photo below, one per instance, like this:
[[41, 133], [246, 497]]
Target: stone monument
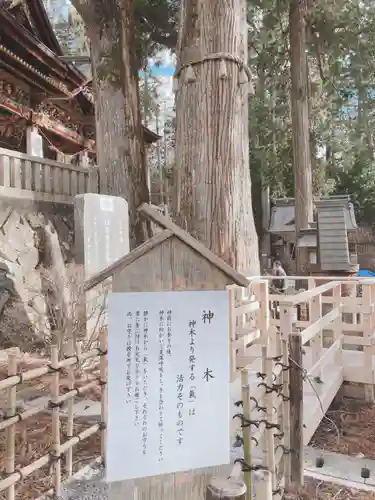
[[101, 238]]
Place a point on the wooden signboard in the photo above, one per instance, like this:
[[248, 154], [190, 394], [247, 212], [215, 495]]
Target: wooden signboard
[[171, 261]]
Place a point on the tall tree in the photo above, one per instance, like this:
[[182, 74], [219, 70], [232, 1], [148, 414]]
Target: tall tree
[[120, 146], [300, 119], [212, 144]]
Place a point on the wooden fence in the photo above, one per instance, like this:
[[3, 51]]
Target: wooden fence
[[29, 178], [260, 361], [58, 449], [324, 322]]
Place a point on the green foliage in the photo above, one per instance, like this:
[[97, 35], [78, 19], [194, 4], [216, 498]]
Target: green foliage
[[155, 27], [341, 68]]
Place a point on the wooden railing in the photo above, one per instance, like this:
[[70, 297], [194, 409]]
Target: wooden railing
[[317, 310], [30, 178]]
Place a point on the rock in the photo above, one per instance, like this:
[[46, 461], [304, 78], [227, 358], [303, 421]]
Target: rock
[[24, 271], [35, 220]]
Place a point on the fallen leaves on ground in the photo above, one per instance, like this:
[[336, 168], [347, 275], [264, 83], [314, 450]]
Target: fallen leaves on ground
[[349, 428], [34, 436], [38, 443], [319, 490]]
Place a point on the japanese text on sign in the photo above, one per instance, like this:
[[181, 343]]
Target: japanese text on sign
[[168, 372]]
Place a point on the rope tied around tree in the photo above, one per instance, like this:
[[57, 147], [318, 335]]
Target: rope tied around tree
[[245, 75]]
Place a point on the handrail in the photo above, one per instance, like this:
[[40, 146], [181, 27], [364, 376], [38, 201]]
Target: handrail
[[24, 177], [45, 161], [307, 294]]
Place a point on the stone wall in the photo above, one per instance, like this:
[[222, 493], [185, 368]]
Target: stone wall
[[36, 264]]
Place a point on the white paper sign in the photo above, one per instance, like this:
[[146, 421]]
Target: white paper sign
[[168, 383]]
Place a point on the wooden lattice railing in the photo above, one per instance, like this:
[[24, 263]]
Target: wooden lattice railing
[[29, 178], [58, 450], [326, 323]]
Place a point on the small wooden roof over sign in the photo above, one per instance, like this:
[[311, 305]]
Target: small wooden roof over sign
[[170, 231]]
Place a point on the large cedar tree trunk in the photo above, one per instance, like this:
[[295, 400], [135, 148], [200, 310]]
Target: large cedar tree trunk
[[300, 122], [119, 138], [212, 143]]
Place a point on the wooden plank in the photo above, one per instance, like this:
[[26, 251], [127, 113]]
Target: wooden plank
[[296, 408], [37, 176], [248, 306], [166, 223], [28, 175], [47, 174], [307, 295], [126, 260], [5, 171], [316, 327], [74, 183], [57, 181], [325, 358], [82, 183], [322, 403], [15, 164], [66, 182]]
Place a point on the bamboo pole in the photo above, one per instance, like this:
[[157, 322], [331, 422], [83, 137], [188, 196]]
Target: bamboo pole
[[70, 419], [45, 370], [10, 431], [55, 445], [246, 431], [269, 433], [104, 393]]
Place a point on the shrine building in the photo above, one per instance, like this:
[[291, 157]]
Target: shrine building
[[46, 104]]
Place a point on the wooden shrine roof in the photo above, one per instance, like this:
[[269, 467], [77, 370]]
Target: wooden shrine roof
[[29, 50]]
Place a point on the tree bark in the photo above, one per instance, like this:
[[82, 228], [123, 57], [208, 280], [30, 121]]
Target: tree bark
[[119, 139], [212, 143], [300, 121]]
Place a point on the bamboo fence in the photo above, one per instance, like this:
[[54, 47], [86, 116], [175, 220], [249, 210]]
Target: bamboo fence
[[257, 345], [58, 451]]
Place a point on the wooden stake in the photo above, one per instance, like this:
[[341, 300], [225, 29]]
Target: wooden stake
[[55, 445], [10, 431], [296, 408], [225, 489]]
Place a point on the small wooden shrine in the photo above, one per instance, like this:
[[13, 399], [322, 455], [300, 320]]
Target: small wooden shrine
[[38, 89], [326, 241]]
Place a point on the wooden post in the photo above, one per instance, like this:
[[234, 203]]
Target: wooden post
[[296, 408], [10, 431], [225, 489], [368, 326], [316, 343]]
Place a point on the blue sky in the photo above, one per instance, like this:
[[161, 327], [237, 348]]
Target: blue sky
[[162, 70]]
